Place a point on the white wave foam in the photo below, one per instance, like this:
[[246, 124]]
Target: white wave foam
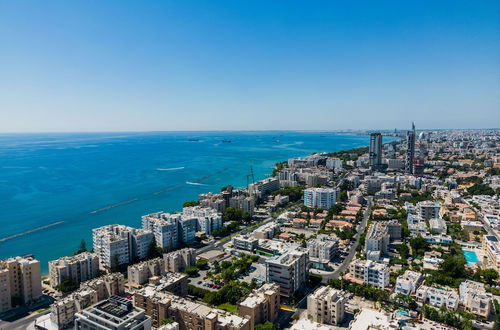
[[196, 183], [170, 169]]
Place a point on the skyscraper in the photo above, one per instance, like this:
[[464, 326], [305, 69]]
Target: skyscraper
[[410, 150], [375, 150]]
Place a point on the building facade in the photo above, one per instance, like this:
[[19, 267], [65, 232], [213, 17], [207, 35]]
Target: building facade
[[79, 268], [326, 305]]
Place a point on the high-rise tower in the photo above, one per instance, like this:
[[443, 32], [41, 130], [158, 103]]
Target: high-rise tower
[[375, 150], [410, 149]]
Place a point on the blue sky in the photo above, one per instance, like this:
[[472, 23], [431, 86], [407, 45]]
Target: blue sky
[[230, 65]]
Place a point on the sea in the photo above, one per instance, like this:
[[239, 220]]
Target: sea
[[55, 188]]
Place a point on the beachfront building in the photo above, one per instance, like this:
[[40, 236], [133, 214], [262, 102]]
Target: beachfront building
[[20, 281], [117, 245], [475, 299], [408, 283], [164, 227], [140, 273], [288, 270], [437, 297], [323, 248], [369, 272], [78, 268], [115, 313], [326, 305], [322, 198], [261, 305], [178, 261], [263, 188], [207, 218], [160, 305]]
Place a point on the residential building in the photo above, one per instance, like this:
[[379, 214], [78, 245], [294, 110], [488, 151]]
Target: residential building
[[245, 242], [437, 225], [188, 314], [333, 163], [491, 252], [115, 313], [165, 228], [408, 283], [326, 305], [323, 248], [263, 188], [178, 261], [117, 245], [375, 150], [207, 218], [261, 305], [428, 210], [323, 198], [380, 234], [187, 229], [289, 270], [410, 150], [78, 268], [437, 297], [140, 273], [370, 272], [266, 231], [62, 312], [20, 281], [175, 283], [475, 299]]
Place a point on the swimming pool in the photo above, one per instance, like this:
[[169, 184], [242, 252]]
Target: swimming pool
[[470, 257]]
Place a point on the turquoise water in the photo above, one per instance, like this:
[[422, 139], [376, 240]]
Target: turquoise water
[[470, 257], [89, 180]]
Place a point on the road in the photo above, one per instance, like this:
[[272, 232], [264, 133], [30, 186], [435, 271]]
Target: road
[[352, 252]]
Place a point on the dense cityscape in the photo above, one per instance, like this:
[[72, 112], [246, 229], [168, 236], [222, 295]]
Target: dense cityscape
[[398, 235]]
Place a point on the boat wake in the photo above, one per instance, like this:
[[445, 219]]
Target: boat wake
[[196, 183]]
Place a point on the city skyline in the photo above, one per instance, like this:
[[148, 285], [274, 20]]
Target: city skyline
[[83, 67]]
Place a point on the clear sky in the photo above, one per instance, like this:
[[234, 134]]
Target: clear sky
[[231, 65]]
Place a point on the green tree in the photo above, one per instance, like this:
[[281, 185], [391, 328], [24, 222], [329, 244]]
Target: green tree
[[191, 271], [265, 326], [190, 203], [202, 264]]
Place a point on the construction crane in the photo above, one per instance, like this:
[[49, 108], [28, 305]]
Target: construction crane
[[250, 175]]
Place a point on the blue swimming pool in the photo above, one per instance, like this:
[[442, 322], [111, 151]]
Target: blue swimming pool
[[470, 257]]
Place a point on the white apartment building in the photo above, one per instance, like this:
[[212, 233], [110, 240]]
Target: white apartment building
[[19, 277], [115, 313], [266, 231], [119, 245], [288, 270], [79, 268], [323, 248], [475, 299], [187, 229], [326, 305], [179, 260], [380, 234], [408, 283], [323, 198], [140, 273], [208, 218], [245, 242], [264, 187], [428, 209], [437, 297], [164, 227], [261, 305], [491, 251], [370, 272], [333, 163], [438, 225]]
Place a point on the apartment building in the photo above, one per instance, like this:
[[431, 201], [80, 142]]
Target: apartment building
[[187, 229], [228, 198], [164, 227], [437, 297], [323, 198], [266, 231], [261, 305], [263, 188], [188, 314], [207, 218], [115, 313], [288, 270], [19, 279], [408, 283], [244, 203], [79, 268], [323, 248], [370, 272], [245, 242], [333, 163], [178, 261], [326, 305], [175, 283], [428, 209], [62, 312], [475, 299], [140, 273], [380, 234], [120, 245], [491, 251]]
